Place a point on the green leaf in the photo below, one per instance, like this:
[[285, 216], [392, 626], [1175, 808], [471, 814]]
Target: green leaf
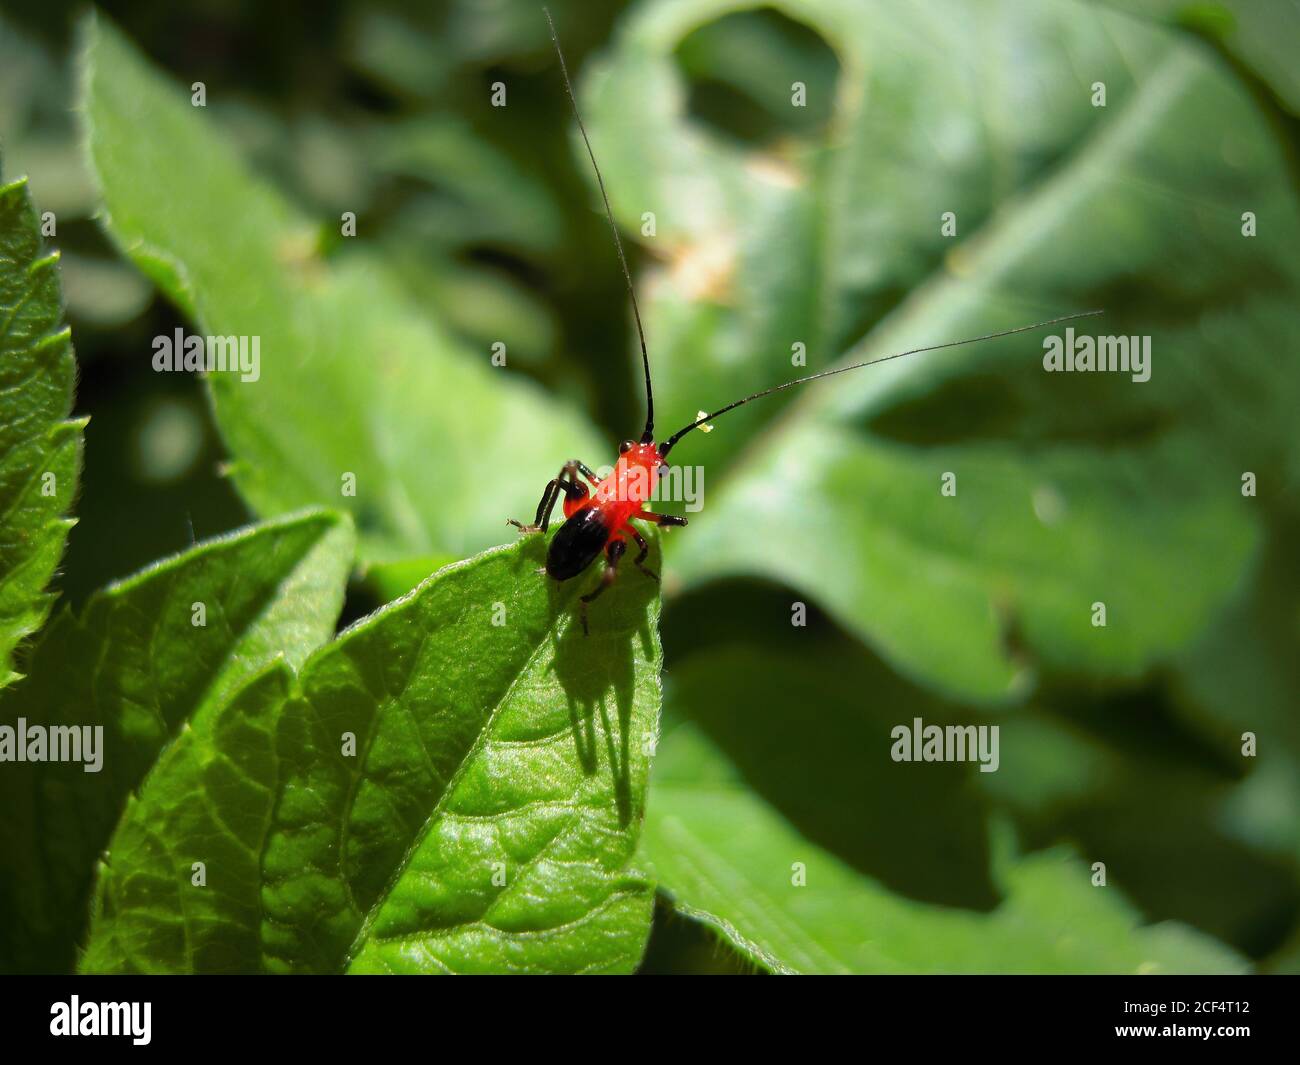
[[899, 872], [353, 380], [811, 241], [455, 784], [1178, 830], [945, 587], [208, 787], [390, 580], [485, 198], [1252, 647], [40, 448], [1072, 489], [761, 877], [145, 656], [1258, 37]]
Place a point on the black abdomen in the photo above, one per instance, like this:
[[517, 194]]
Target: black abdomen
[[578, 543]]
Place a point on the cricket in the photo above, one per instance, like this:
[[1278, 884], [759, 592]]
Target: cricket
[[598, 514]]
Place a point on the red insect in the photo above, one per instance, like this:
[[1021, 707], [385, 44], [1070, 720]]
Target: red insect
[[600, 519]]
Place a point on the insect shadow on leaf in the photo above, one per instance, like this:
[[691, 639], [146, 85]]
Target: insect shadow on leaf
[[597, 674]]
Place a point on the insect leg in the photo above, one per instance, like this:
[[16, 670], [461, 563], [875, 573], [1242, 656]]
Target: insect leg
[[565, 482], [584, 469], [660, 519], [640, 558], [613, 552], [549, 494]]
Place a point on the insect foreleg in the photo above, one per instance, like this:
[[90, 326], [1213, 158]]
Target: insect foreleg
[[661, 519]]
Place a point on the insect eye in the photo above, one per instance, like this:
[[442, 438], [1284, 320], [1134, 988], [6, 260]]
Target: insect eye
[[625, 447]]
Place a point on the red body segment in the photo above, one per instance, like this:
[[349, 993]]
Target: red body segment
[[597, 519], [621, 496]]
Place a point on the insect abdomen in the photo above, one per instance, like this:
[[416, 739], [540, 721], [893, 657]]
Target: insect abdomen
[[577, 544]]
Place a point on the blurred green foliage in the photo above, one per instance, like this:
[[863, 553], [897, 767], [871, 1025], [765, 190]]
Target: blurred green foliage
[[772, 225]]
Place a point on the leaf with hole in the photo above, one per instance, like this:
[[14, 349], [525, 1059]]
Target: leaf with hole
[[963, 511]]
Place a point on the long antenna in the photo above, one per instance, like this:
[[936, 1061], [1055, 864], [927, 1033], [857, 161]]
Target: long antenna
[[648, 435], [667, 444]]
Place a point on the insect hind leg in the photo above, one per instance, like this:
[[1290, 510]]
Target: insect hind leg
[[565, 481]]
